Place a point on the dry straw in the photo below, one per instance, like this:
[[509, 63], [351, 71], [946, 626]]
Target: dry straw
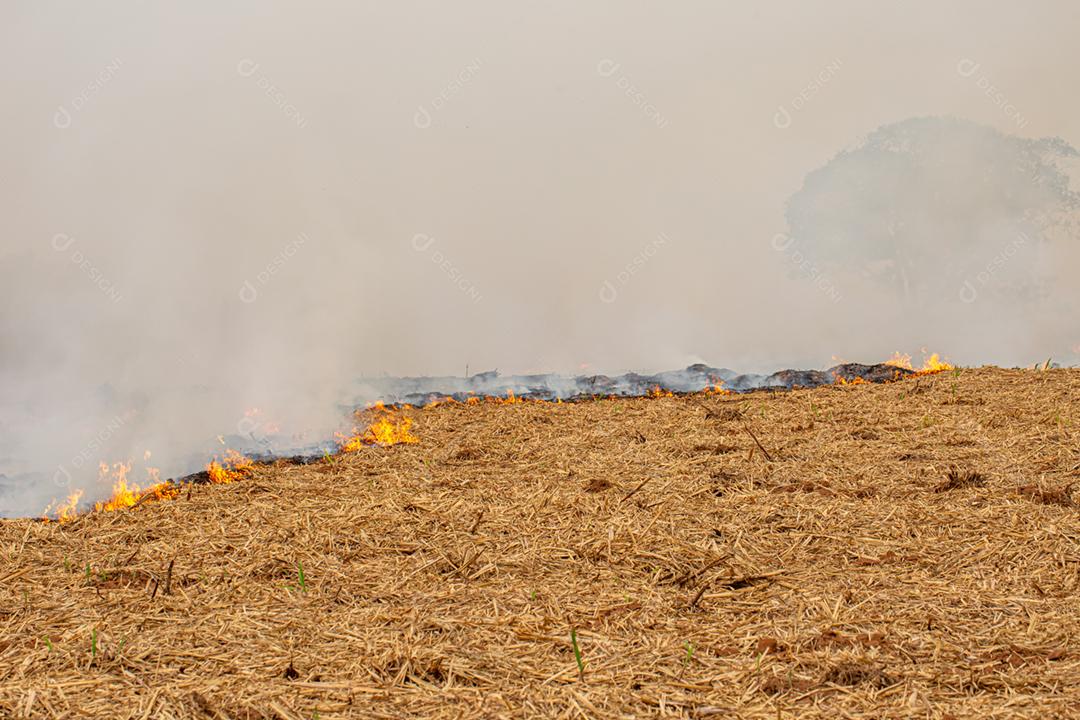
[[881, 551]]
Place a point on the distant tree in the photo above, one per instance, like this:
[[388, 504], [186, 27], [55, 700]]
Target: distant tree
[[926, 204]]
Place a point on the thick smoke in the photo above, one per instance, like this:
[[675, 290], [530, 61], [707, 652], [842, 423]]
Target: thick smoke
[[225, 220], [953, 220]]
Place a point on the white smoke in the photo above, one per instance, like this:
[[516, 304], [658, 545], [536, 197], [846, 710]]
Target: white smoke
[[208, 209]]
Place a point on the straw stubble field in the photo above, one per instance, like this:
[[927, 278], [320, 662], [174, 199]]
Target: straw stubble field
[[899, 550]]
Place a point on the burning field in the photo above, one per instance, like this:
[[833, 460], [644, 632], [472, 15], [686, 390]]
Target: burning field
[[900, 549]]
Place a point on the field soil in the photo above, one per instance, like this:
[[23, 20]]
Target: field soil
[[902, 550]]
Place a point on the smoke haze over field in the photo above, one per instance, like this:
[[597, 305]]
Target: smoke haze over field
[[213, 208]]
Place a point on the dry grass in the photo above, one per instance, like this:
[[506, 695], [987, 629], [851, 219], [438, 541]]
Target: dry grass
[[700, 578]]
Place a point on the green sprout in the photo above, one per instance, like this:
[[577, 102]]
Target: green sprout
[[301, 583], [577, 652]]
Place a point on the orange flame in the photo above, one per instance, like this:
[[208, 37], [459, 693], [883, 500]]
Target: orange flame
[[383, 432], [65, 511], [932, 364], [234, 467], [125, 494], [718, 389], [900, 360]]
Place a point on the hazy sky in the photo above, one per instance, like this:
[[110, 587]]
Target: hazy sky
[[435, 184]]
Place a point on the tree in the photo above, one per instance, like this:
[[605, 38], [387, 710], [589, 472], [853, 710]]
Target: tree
[[927, 204]]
